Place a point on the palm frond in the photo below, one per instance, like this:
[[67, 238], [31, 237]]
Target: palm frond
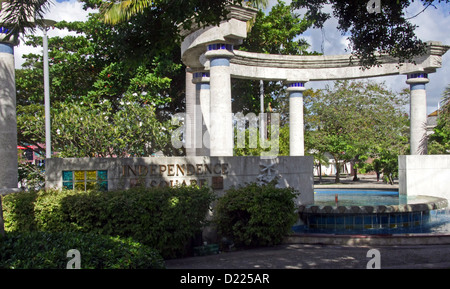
[[261, 4], [114, 13], [18, 15]]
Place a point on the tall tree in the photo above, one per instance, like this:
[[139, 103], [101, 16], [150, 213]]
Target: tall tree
[[374, 26], [354, 120]]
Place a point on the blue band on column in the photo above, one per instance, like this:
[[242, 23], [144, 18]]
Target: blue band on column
[[220, 46], [296, 94], [201, 74], [202, 85], [6, 48], [220, 62], [297, 84], [417, 75], [417, 86]]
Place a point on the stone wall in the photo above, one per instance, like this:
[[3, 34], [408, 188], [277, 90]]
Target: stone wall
[[425, 175], [220, 173]]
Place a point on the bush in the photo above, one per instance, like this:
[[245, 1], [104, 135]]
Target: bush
[[163, 218], [18, 211], [45, 250], [256, 215]]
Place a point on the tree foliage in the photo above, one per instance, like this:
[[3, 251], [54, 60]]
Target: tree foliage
[[439, 142], [389, 31], [19, 15], [89, 130], [104, 103], [278, 32], [355, 120]]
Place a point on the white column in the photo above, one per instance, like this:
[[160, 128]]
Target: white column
[[296, 130], [418, 113], [8, 120], [221, 122], [190, 144], [201, 79]]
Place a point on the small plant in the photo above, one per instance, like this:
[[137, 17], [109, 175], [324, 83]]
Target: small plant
[[255, 215]]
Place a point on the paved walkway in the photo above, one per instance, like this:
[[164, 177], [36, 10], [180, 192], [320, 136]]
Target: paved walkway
[[302, 256]]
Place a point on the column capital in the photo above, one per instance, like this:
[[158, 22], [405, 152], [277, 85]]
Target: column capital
[[417, 78], [13, 40], [201, 77], [296, 86], [219, 50]]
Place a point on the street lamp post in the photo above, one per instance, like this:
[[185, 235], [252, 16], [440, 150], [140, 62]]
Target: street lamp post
[[45, 25]]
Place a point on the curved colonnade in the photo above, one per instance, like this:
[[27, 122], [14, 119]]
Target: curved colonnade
[[212, 62]]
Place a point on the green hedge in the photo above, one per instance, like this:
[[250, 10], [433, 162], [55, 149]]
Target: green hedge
[[46, 250], [163, 218], [256, 215]]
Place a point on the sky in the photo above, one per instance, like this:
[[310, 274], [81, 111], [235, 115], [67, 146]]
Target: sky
[[433, 24]]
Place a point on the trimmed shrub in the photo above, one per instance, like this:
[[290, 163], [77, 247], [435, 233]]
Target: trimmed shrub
[[256, 215], [163, 218], [48, 250], [18, 211]]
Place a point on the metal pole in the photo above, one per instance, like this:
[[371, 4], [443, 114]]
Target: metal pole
[[48, 142]]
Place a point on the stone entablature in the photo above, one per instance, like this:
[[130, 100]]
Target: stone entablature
[[280, 67]]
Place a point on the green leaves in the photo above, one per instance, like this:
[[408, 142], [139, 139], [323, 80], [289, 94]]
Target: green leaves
[[356, 119], [439, 142], [162, 218], [45, 250], [371, 33], [275, 33], [255, 215], [114, 13], [21, 15], [103, 103], [98, 131]]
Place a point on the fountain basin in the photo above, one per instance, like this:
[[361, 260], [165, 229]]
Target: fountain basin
[[418, 204], [403, 214]]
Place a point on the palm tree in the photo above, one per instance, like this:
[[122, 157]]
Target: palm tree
[[114, 13], [18, 15]]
